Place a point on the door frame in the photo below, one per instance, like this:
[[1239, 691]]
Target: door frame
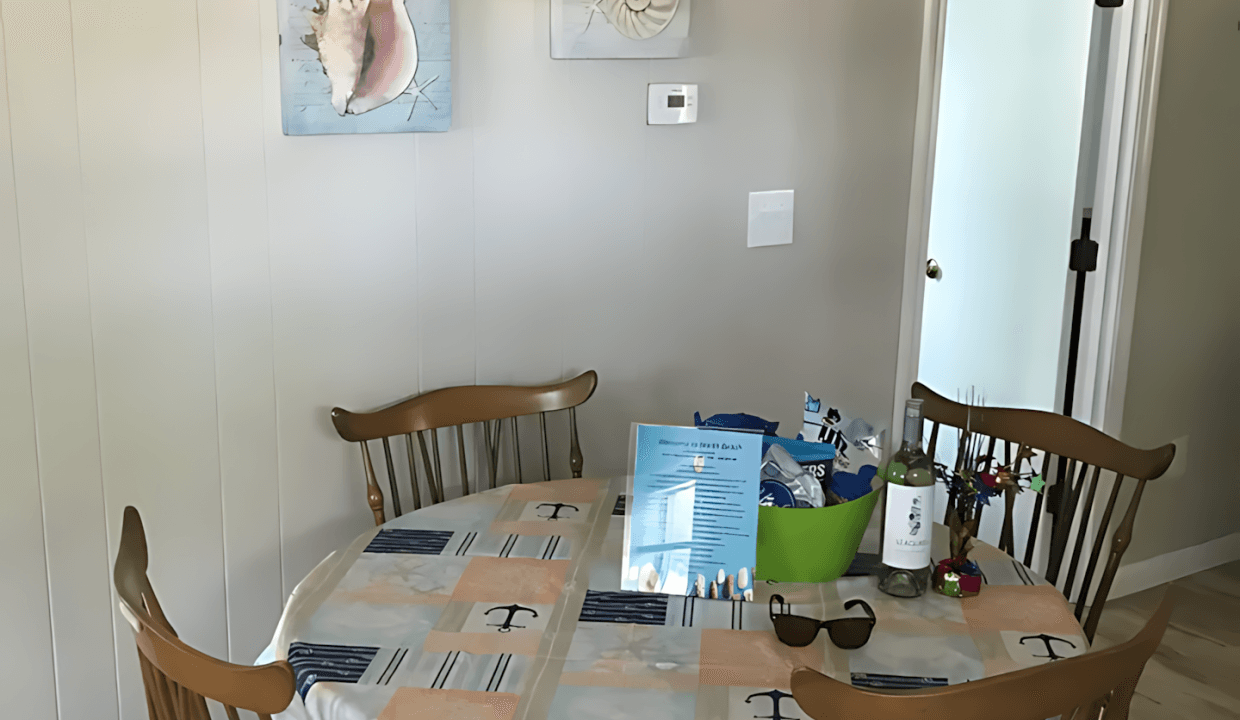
[[1121, 191], [921, 190], [1128, 191], [1128, 134]]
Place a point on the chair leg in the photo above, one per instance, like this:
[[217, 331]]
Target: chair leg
[[1121, 698]]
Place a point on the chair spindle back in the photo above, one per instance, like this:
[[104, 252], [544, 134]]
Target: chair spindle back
[[1079, 449], [484, 406]]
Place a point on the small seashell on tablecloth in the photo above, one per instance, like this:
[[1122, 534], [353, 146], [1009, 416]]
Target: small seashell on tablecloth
[[649, 579]]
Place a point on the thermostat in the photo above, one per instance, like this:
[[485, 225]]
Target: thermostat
[[672, 104]]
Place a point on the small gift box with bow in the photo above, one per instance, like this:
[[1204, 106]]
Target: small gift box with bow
[[954, 577]]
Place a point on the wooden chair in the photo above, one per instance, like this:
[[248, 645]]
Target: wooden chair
[[488, 405], [1093, 685], [179, 679], [1078, 447]]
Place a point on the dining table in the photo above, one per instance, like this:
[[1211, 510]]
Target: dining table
[[506, 604]]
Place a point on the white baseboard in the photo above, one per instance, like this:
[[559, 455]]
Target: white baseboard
[[1161, 569]]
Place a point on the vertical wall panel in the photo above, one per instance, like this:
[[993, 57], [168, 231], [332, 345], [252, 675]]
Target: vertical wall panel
[[27, 678], [445, 216], [605, 254], [445, 271], [43, 112], [447, 311], [344, 309], [520, 115], [139, 103], [232, 101]]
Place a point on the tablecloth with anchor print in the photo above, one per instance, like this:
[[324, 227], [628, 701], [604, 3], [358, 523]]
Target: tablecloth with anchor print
[[505, 605]]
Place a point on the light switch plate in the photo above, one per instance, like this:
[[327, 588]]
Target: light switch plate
[[770, 218]]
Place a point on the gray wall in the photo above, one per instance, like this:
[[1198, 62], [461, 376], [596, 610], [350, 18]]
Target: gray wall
[[1185, 360], [185, 292]]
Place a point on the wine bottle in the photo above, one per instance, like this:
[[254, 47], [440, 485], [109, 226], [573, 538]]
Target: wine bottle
[[908, 517]]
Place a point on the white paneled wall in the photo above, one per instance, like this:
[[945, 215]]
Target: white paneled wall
[[185, 292], [230, 41], [50, 189], [29, 674]]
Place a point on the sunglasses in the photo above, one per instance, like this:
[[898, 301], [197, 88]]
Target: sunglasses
[[799, 631]]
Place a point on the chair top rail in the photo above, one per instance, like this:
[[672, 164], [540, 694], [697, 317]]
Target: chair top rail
[[1050, 432], [1037, 692], [463, 405], [265, 689]]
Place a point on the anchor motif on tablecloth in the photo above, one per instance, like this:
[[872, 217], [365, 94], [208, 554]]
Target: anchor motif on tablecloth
[[507, 626], [776, 696], [555, 514], [1046, 639]]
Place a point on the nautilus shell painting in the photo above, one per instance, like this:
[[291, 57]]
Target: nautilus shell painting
[[619, 28], [365, 66]]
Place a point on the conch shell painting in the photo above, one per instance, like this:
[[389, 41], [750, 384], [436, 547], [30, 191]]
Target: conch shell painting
[[354, 66], [619, 28], [367, 49]]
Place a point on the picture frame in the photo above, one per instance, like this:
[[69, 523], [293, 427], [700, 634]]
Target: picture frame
[[365, 66], [619, 29]]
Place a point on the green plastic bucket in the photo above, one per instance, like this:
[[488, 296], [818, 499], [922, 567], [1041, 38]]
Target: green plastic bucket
[[811, 544]]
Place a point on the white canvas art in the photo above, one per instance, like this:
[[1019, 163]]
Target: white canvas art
[[617, 29]]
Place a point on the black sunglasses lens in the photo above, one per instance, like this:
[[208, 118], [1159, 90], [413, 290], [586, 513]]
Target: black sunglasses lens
[[850, 633], [795, 630]]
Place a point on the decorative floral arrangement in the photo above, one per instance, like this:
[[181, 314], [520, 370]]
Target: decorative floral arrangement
[[971, 486]]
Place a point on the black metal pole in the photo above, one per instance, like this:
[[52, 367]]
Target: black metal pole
[[1082, 260]]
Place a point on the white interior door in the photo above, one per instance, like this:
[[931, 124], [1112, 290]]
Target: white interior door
[[1010, 114], [1028, 112], [1004, 205]]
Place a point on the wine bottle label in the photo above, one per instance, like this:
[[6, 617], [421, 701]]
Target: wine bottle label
[[910, 518]]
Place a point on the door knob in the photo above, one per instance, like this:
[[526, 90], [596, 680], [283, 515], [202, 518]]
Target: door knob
[[933, 271]]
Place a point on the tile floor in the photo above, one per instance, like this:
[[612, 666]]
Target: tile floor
[[1196, 671]]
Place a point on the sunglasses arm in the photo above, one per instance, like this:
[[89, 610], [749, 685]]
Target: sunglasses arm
[[864, 606]]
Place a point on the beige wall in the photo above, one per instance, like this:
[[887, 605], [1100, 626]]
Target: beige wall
[[1185, 362], [185, 292]]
